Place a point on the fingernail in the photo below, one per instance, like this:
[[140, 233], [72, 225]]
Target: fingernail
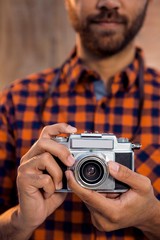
[[71, 160], [67, 174], [114, 166], [59, 186], [71, 129]]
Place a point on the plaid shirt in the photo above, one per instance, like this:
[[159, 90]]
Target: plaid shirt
[[73, 101]]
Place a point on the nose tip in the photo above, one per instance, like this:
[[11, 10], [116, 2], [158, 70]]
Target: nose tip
[[109, 4]]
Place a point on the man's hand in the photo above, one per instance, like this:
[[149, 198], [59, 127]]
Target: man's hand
[[137, 207], [39, 176]]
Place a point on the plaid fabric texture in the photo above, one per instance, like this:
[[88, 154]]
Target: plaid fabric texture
[[73, 101]]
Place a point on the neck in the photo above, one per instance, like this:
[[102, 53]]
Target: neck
[[107, 67]]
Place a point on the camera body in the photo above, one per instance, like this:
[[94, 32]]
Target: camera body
[[92, 151]]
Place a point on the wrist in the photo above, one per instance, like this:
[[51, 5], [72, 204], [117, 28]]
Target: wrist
[[13, 227], [19, 226], [151, 226]]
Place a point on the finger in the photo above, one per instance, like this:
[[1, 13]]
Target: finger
[[34, 182], [134, 180], [99, 221], [103, 223], [111, 195], [55, 129], [92, 198], [48, 185], [44, 162], [55, 149]]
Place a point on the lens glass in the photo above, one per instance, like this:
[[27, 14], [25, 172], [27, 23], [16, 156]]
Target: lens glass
[[91, 171]]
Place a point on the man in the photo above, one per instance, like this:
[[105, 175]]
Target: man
[[104, 86]]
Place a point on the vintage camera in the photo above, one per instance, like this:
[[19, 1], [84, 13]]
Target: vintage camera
[[92, 151]]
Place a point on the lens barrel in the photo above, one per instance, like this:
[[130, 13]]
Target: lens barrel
[[90, 171]]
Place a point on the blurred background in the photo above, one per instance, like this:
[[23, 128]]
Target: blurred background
[[35, 35]]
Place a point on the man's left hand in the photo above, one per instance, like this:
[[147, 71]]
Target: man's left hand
[[137, 207]]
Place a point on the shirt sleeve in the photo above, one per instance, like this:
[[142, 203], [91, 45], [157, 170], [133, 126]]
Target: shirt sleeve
[[8, 166]]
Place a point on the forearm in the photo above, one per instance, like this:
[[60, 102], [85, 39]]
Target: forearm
[[153, 233], [153, 236], [11, 227], [151, 228]]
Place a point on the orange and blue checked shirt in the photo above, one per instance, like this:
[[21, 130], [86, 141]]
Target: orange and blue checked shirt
[[74, 100]]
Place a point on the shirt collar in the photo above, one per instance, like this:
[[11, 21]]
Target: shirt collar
[[74, 71], [129, 77]]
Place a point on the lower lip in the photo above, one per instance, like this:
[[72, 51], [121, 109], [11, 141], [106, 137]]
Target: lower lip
[[108, 25]]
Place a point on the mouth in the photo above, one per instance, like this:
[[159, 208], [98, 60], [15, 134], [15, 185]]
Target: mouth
[[110, 24], [108, 20]]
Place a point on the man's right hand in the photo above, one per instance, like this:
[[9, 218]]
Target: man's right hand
[[36, 189]]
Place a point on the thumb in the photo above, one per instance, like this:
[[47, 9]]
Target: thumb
[[126, 175]]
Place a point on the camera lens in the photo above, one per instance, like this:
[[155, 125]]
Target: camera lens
[[91, 171]]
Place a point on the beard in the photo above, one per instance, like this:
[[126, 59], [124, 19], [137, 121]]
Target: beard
[[108, 42]]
